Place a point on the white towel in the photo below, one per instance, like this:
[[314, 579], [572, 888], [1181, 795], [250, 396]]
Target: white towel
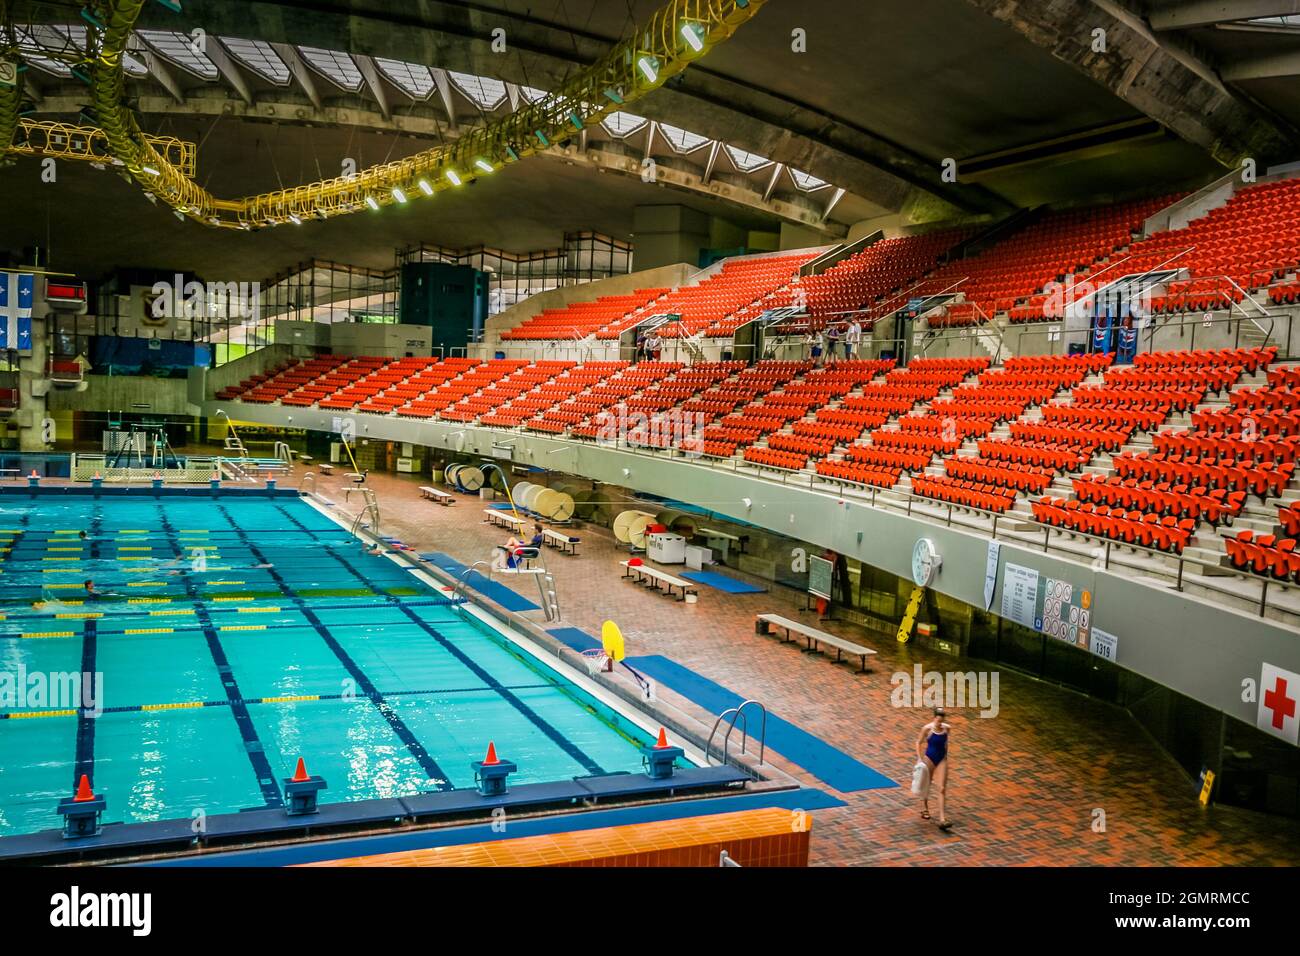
[[921, 779]]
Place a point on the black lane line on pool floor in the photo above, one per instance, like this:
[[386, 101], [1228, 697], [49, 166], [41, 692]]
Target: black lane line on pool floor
[[536, 719], [85, 758], [238, 709], [432, 771]]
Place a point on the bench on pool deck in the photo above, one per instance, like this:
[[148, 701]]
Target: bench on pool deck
[[764, 623], [653, 577], [561, 542], [437, 494], [325, 468], [504, 518]]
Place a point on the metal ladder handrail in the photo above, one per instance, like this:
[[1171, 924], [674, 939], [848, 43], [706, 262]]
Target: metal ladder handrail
[[460, 581], [738, 713], [302, 486], [372, 511]]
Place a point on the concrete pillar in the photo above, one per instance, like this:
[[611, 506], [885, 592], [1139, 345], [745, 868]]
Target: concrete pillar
[[32, 386], [668, 234]]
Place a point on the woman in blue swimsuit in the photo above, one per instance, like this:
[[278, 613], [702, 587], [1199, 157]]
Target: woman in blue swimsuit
[[932, 747]]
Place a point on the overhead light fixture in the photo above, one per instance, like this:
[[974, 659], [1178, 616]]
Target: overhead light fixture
[[510, 151], [152, 198], [484, 165], [178, 214], [246, 226], [295, 220], [541, 138], [398, 194], [173, 5], [372, 203], [149, 169], [425, 187], [320, 214], [452, 175], [576, 120], [213, 221], [614, 96], [693, 34], [649, 66]]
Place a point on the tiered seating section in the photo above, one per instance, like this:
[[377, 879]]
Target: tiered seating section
[[1057, 244], [1156, 499]]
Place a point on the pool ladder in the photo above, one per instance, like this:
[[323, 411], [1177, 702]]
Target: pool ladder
[[738, 713]]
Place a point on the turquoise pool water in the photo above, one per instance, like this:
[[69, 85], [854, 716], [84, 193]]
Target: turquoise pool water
[[219, 672]]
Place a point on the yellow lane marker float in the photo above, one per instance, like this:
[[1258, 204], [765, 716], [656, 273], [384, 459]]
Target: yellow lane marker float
[[134, 548], [153, 600], [227, 583], [145, 584], [233, 597], [242, 627], [289, 700], [173, 611], [81, 616], [43, 713], [185, 705], [40, 634], [78, 550], [60, 559], [148, 630], [257, 610]]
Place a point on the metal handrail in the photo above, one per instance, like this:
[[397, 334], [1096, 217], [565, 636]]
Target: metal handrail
[[738, 713], [460, 581], [302, 486]]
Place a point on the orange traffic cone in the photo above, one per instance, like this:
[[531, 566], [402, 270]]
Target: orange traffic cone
[[300, 773], [662, 743], [33, 474], [491, 757], [84, 793]]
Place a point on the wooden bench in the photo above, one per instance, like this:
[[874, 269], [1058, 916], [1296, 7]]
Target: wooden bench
[[561, 542], [325, 468], [504, 518], [764, 623], [653, 577], [437, 494]]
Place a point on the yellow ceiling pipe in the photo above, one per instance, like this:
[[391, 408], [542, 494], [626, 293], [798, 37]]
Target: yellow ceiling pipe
[[644, 61]]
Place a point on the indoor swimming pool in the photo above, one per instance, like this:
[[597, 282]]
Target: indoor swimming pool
[[237, 634]]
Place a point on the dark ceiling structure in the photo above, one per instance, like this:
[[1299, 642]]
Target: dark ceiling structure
[[820, 113]]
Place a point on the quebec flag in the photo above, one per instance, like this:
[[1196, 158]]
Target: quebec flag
[[17, 291]]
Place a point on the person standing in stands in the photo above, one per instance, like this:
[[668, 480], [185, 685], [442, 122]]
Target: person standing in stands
[[832, 341], [932, 748], [852, 340], [814, 343], [653, 346]]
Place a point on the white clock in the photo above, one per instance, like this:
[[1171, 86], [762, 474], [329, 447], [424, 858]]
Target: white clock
[[925, 562]]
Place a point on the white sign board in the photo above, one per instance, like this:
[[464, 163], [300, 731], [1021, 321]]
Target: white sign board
[[1103, 644], [1019, 594]]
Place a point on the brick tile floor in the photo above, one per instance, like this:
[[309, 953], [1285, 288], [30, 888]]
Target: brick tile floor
[[1024, 788]]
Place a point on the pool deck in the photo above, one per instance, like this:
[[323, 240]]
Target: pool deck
[[1024, 789]]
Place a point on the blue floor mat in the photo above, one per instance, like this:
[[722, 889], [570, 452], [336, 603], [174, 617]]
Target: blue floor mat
[[804, 798], [795, 744], [572, 637], [723, 582], [507, 598]]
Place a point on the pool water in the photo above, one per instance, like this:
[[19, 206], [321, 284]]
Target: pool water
[[219, 672]]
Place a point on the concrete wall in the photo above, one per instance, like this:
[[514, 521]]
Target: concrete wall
[[1196, 647], [392, 341], [117, 393]]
